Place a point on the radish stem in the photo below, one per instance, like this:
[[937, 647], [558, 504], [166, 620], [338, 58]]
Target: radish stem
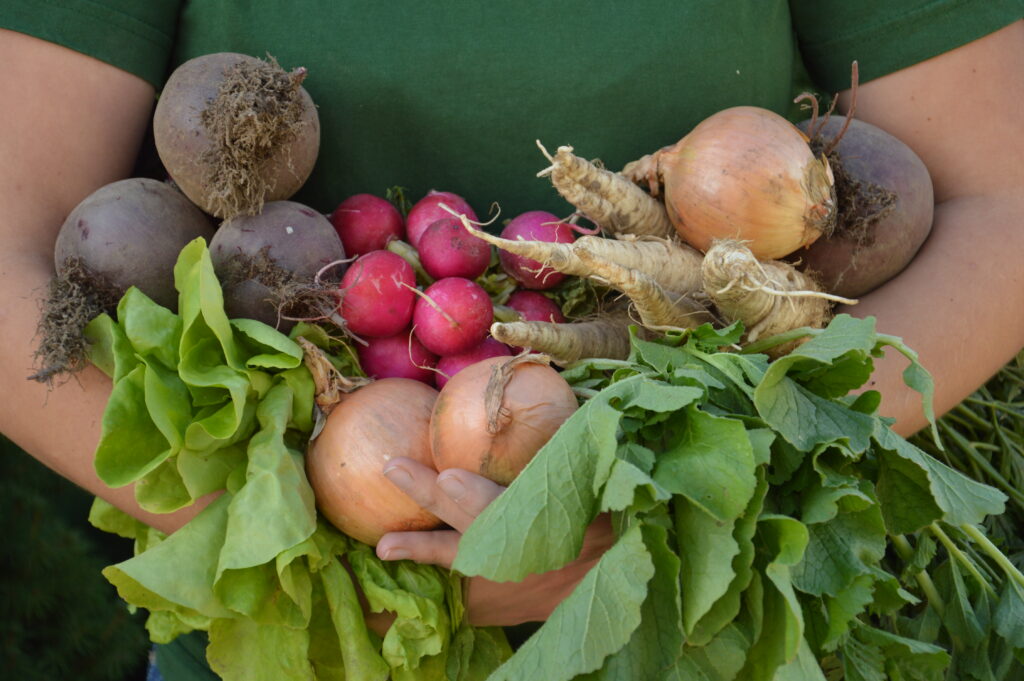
[[924, 580], [978, 461], [994, 553], [956, 553], [408, 253]]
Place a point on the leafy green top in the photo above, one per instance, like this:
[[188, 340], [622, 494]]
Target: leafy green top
[[756, 505], [204, 404]]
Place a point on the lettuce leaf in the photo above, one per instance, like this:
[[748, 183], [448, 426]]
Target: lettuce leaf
[[202, 404]]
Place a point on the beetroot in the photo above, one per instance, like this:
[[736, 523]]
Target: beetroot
[[367, 223], [428, 210], [885, 204], [267, 263], [536, 225], [398, 356], [452, 316], [446, 249], [234, 131], [128, 233], [378, 294]]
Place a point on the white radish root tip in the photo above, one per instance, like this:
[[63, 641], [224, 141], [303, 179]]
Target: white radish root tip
[[495, 209], [319, 273], [412, 361]]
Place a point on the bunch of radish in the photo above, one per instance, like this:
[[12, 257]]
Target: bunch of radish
[[412, 299], [444, 391]]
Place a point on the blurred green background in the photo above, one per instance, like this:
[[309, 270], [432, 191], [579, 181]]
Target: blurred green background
[[59, 617]]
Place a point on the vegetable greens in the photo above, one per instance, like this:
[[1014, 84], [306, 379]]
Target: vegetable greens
[[791, 532], [770, 525], [204, 404]]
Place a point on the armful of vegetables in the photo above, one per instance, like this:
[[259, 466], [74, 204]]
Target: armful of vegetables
[[769, 524]]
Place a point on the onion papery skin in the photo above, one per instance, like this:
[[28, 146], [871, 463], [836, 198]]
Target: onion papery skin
[[344, 464], [535, 402], [748, 174]]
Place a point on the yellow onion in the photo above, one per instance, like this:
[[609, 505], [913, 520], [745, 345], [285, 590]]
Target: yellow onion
[[345, 462], [748, 174], [494, 416]]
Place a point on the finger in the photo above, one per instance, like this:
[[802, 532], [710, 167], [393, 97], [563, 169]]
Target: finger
[[435, 548], [471, 493], [456, 496], [419, 482]]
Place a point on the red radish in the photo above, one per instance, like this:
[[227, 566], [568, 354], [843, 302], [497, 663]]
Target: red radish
[[453, 364], [345, 462], [447, 250], [452, 315], [428, 210], [367, 223], [492, 417], [535, 307], [378, 294], [398, 356], [535, 225]]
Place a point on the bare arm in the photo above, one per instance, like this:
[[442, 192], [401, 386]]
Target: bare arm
[[960, 303], [71, 125]]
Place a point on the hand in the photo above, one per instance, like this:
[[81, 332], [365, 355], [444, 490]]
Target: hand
[[457, 497]]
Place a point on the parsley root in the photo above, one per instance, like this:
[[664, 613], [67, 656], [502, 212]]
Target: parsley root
[[769, 297], [605, 198], [605, 336], [672, 264], [658, 308]]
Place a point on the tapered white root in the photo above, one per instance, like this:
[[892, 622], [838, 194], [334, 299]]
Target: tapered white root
[[606, 198], [769, 297], [657, 308], [606, 336], [672, 264]]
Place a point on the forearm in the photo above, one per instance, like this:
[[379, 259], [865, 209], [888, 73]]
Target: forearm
[[959, 302], [54, 154], [60, 426], [958, 305]]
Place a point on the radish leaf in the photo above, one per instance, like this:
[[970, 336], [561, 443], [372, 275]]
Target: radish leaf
[[596, 620]]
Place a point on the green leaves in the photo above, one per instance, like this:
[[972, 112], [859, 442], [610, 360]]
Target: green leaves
[[944, 492], [201, 404], [711, 463], [763, 495], [595, 621], [754, 506]]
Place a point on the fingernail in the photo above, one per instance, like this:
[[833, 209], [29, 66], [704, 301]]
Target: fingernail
[[396, 553], [398, 476], [451, 486]]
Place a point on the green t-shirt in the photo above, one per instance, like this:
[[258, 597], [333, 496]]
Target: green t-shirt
[[452, 95]]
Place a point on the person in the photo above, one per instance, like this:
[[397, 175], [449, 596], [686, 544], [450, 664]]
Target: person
[[452, 96]]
